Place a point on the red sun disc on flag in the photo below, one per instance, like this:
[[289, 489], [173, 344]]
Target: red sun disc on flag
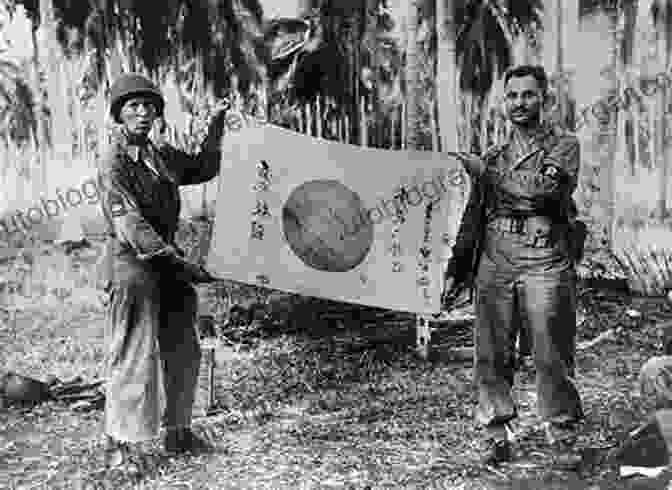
[[326, 226]]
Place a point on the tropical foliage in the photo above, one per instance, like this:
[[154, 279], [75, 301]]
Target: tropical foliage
[[486, 36], [385, 73], [165, 33], [17, 106]]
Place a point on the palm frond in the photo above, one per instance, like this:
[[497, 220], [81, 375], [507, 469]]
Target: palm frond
[[16, 102], [589, 7], [227, 34], [484, 41]]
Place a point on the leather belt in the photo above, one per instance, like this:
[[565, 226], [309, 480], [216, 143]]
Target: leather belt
[[517, 225], [538, 236]]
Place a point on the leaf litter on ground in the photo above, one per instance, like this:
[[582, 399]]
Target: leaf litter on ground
[[317, 407]]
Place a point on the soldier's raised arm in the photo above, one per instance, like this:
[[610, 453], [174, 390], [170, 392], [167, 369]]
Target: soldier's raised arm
[[204, 165]]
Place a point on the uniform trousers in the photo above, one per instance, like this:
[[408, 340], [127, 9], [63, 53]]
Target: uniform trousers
[[153, 353], [520, 284]]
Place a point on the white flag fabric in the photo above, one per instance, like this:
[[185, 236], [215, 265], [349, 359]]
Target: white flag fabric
[[337, 221]]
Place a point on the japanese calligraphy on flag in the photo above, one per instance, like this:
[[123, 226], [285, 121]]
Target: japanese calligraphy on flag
[[337, 221]]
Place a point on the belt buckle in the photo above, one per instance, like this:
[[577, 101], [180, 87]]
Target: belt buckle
[[542, 242]]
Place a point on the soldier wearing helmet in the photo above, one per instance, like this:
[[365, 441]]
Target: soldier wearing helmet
[[152, 303]]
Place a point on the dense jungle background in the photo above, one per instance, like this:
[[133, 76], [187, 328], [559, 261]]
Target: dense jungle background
[[311, 394]]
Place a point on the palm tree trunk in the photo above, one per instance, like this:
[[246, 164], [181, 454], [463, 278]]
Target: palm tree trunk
[[355, 127], [651, 142], [607, 137], [662, 148], [309, 119], [339, 128], [42, 136], [393, 128], [483, 116], [636, 155], [415, 93], [559, 67], [318, 116], [332, 120], [363, 123], [78, 119], [346, 129], [436, 145], [446, 77], [403, 123], [623, 117], [60, 123], [384, 132]]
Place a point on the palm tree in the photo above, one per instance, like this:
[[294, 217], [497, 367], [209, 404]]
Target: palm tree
[[446, 66], [335, 52], [158, 33], [18, 118], [415, 93], [139, 36], [308, 64], [661, 11], [40, 110], [475, 40], [61, 126], [621, 14]]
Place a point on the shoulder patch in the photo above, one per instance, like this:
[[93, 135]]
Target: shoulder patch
[[551, 171]]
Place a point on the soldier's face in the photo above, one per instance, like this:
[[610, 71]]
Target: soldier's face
[[138, 115], [524, 100]]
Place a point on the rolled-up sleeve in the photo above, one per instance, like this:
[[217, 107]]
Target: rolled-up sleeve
[[555, 179], [129, 226]]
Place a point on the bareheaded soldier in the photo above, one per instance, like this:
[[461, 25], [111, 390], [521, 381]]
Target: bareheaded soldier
[[516, 247]]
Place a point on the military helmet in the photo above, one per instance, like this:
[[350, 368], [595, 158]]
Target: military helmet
[[132, 85]]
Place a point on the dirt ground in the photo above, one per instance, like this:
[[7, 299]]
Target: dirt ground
[[326, 407]]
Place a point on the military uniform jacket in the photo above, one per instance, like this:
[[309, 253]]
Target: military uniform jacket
[[141, 200], [538, 180]]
